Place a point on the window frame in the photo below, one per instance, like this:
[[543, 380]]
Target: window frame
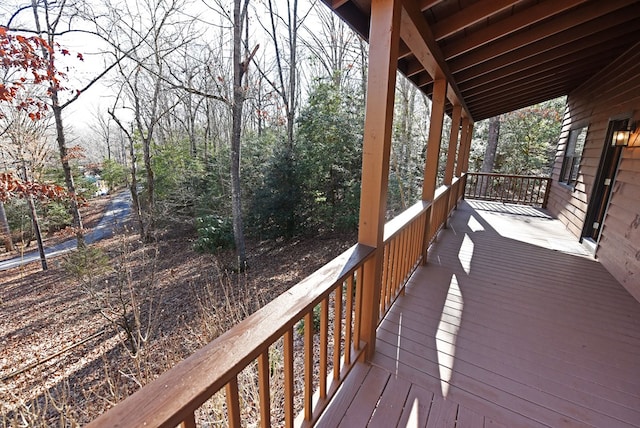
[[573, 156]]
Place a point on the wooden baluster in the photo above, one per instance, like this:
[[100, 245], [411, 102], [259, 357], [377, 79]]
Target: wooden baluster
[[288, 378], [547, 191], [358, 307], [426, 237], [348, 321], [406, 242], [386, 275], [324, 341], [396, 266], [264, 373], [422, 223], [190, 422], [233, 403], [308, 365], [337, 333]]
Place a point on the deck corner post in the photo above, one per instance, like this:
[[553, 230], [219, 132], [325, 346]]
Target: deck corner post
[[464, 133], [384, 44], [453, 144], [467, 148], [434, 139]]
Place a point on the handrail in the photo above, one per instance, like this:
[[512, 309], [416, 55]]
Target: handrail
[[407, 238], [509, 188], [173, 398]]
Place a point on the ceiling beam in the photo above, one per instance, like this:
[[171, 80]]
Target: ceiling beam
[[415, 32], [543, 77], [428, 4], [590, 11], [579, 32], [508, 102], [503, 28], [560, 56], [469, 16]]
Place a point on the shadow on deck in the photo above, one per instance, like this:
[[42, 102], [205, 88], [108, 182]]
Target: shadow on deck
[[510, 324]]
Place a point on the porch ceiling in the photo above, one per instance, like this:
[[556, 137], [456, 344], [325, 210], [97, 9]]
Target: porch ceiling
[[501, 55]]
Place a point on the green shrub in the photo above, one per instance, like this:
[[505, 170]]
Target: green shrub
[[214, 233], [57, 217], [113, 173], [86, 264]]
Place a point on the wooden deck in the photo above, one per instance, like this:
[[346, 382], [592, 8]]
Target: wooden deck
[[510, 324]]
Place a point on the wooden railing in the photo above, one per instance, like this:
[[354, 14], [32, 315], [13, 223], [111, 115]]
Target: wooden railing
[[403, 251], [517, 189], [174, 397], [335, 292]]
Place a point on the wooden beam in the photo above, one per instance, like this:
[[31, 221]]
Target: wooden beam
[[435, 137], [598, 28], [590, 11], [428, 4], [467, 148], [555, 58], [547, 72], [413, 67], [468, 16], [464, 133], [415, 32], [453, 144], [486, 110], [384, 44], [503, 28], [518, 91]]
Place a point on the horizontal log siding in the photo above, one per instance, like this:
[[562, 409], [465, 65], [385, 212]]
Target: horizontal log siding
[[614, 91]]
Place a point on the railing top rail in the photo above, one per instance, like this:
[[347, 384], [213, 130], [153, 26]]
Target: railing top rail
[[495, 174], [440, 191], [168, 400], [395, 225]]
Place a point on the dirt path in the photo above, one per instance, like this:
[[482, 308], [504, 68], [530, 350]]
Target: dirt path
[[114, 215]]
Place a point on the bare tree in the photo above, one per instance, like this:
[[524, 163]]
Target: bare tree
[[25, 143], [239, 70], [54, 19], [156, 32], [334, 47], [286, 83]]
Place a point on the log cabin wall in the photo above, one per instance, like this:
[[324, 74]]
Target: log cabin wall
[[612, 93]]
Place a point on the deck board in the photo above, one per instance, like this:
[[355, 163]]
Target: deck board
[[510, 324]]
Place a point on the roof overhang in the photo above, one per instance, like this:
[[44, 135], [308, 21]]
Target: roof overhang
[[501, 55]]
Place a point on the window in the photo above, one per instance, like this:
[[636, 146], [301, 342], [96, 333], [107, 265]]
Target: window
[[572, 155]]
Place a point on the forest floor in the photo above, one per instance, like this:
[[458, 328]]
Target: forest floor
[[62, 362]]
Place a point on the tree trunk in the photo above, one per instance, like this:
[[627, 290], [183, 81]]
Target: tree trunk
[[36, 231], [149, 224], [490, 153], [60, 137], [133, 188], [5, 231], [492, 144], [236, 113], [34, 218], [66, 168]]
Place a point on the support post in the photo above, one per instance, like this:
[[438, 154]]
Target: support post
[[467, 150], [463, 141], [384, 41], [435, 135], [453, 144]]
